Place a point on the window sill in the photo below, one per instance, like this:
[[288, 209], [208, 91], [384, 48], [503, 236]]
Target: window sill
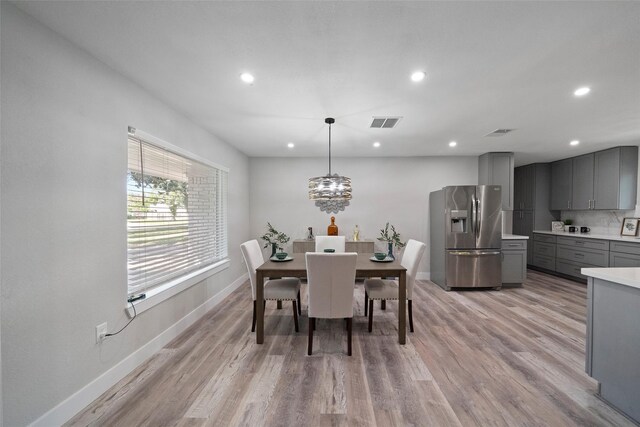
[[163, 292]]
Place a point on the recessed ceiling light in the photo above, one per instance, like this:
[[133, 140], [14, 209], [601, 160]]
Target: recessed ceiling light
[[247, 78], [376, 144], [582, 91], [418, 76], [453, 144], [574, 142], [291, 145]]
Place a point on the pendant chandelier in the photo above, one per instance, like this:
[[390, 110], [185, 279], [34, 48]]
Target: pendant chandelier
[[330, 192]]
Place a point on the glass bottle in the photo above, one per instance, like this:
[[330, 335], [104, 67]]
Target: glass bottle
[[332, 229], [356, 234], [310, 233]]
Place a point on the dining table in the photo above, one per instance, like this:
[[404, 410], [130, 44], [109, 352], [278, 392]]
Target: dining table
[[366, 266]]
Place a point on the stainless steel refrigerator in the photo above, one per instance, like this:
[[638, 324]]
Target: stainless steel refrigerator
[[466, 236]]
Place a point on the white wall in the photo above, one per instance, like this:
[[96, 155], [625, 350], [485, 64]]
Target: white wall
[[63, 215], [384, 189]]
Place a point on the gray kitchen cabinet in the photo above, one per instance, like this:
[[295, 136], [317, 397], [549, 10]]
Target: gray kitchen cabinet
[[544, 251], [624, 254], [532, 185], [514, 261], [605, 179], [523, 226], [575, 253], [582, 182], [561, 184], [518, 191], [615, 178], [613, 343], [497, 169]]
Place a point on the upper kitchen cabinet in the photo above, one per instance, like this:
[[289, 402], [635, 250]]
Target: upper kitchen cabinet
[[582, 194], [561, 184], [602, 180], [524, 187], [497, 169], [615, 178]]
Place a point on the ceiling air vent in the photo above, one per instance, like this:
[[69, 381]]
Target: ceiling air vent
[[500, 132], [384, 122]]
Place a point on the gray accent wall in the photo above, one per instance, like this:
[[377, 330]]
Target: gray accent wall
[[63, 215]]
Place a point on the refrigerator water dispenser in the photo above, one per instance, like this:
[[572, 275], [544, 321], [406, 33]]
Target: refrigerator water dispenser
[[458, 221]]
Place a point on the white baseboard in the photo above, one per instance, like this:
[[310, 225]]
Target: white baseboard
[[423, 275], [64, 411]]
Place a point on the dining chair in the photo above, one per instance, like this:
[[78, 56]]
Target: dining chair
[[330, 242], [275, 289], [330, 277], [379, 289]]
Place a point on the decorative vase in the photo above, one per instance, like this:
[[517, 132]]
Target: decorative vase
[[274, 248], [390, 254], [332, 229]]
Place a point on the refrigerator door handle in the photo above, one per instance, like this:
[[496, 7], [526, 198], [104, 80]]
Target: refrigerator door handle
[[474, 253], [478, 219], [474, 215]]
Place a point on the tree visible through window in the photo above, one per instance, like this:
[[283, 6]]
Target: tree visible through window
[[176, 215]]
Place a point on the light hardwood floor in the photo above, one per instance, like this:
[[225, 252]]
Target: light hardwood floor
[[513, 357]]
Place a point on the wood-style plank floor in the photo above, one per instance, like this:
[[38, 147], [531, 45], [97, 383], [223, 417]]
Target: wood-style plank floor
[[513, 357]]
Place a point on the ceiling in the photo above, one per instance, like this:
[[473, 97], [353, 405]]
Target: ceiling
[[489, 65]]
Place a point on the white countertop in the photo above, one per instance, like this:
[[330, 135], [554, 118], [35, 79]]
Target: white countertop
[[591, 236], [514, 237], [629, 276]]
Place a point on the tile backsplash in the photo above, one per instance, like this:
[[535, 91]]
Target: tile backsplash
[[600, 222]]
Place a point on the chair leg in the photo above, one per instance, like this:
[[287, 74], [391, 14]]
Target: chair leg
[[349, 326], [370, 315], [312, 324], [299, 305], [295, 315], [366, 302], [264, 305], [383, 304], [410, 316], [253, 323]]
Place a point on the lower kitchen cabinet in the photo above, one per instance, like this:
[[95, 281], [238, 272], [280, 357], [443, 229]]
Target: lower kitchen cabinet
[[567, 254], [544, 251], [623, 254], [514, 261]]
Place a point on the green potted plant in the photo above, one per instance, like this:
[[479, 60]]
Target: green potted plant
[[392, 238], [276, 239], [567, 223]]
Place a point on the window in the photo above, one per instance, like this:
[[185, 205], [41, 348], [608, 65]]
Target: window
[[176, 214]]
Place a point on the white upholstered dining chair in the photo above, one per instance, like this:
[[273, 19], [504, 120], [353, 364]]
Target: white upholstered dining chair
[[274, 289], [330, 242], [330, 277], [379, 289]]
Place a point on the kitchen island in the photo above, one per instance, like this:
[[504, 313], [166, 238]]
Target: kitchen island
[[613, 336]]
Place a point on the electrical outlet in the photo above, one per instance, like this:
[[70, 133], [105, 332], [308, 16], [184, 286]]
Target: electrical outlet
[[101, 331]]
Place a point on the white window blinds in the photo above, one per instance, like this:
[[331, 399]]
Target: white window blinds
[[176, 215]]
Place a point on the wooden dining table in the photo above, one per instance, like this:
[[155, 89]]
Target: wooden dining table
[[365, 267]]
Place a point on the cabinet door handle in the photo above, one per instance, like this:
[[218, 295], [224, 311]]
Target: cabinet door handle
[[578, 255], [568, 204], [513, 245], [578, 242]]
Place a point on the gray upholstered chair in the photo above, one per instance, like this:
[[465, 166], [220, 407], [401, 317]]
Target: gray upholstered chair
[[379, 289], [330, 277], [275, 289], [330, 242]]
